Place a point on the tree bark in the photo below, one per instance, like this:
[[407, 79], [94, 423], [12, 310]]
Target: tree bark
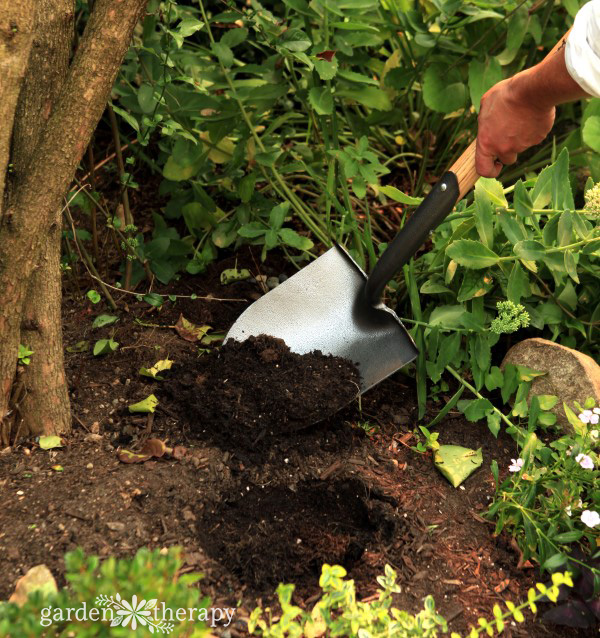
[[16, 37], [43, 406], [31, 219]]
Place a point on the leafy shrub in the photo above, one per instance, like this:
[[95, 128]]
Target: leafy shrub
[[250, 107], [150, 575], [337, 613]]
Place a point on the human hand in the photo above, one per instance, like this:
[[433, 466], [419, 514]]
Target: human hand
[[510, 122]]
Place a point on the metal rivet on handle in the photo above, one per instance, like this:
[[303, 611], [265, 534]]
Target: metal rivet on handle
[[443, 187]]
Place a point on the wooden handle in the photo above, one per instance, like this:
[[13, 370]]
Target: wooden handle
[[464, 169]]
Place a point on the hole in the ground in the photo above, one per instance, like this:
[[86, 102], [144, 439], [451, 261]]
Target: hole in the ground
[[273, 534]]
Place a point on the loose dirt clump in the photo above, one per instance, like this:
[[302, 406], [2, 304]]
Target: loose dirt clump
[[259, 389]]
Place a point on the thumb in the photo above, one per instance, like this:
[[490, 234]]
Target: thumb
[[485, 163]]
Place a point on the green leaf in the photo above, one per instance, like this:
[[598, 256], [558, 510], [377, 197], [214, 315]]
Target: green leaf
[[145, 96], [278, 214], [369, 96], [484, 218], [104, 320], [159, 366], [482, 76], [177, 172], [515, 33], [518, 284], [223, 52], [147, 405], [246, 187], [105, 346], [562, 196], [130, 119], [547, 401], [93, 296], [471, 254], [295, 40], [325, 69], [252, 230], [443, 89], [188, 26], [292, 238], [529, 250], [568, 537], [542, 191], [399, 196], [591, 132], [493, 422], [50, 442], [229, 275], [565, 228], [154, 299], [321, 100], [475, 409], [233, 37], [457, 463], [571, 265], [492, 188]]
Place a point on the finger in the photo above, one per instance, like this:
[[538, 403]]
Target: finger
[[507, 158], [485, 163]]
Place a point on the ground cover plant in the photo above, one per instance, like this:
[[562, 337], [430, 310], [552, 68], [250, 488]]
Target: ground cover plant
[[240, 141]]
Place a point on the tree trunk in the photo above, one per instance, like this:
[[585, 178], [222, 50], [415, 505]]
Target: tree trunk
[[44, 399], [30, 222]]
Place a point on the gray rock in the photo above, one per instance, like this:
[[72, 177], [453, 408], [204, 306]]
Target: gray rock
[[570, 375]]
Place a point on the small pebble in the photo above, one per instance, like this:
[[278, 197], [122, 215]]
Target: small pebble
[[90, 466], [272, 282]]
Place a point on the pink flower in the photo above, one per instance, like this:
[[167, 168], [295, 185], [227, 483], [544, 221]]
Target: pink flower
[[585, 461], [516, 465]]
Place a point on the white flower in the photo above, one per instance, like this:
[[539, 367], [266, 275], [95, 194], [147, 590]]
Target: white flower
[[594, 434], [585, 461], [583, 417], [591, 519], [516, 465], [568, 510], [594, 419], [596, 410], [134, 612]]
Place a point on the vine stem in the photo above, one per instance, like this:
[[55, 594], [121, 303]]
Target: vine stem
[[478, 394]]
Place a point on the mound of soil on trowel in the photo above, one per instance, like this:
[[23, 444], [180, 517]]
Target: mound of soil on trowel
[[259, 388]]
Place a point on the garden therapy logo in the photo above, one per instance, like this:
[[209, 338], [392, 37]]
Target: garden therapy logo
[[134, 613], [154, 616]]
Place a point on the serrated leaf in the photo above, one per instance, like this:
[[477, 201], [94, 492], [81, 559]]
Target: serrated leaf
[[325, 69], [146, 405], [491, 188]]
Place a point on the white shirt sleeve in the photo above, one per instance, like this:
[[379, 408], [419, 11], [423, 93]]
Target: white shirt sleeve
[[582, 53]]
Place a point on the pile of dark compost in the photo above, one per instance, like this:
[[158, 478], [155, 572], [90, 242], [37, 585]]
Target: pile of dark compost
[[258, 389]]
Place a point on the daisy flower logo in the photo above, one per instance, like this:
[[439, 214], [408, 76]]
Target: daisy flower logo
[[134, 613]]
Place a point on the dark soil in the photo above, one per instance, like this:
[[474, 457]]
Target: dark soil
[[249, 509], [258, 388]]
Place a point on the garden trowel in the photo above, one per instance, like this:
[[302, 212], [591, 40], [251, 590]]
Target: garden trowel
[[331, 305]]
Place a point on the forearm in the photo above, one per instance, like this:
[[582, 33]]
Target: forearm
[[547, 84]]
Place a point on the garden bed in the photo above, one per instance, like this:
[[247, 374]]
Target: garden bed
[[348, 490]]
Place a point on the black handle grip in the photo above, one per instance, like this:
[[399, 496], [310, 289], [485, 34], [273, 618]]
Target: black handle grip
[[430, 213]]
